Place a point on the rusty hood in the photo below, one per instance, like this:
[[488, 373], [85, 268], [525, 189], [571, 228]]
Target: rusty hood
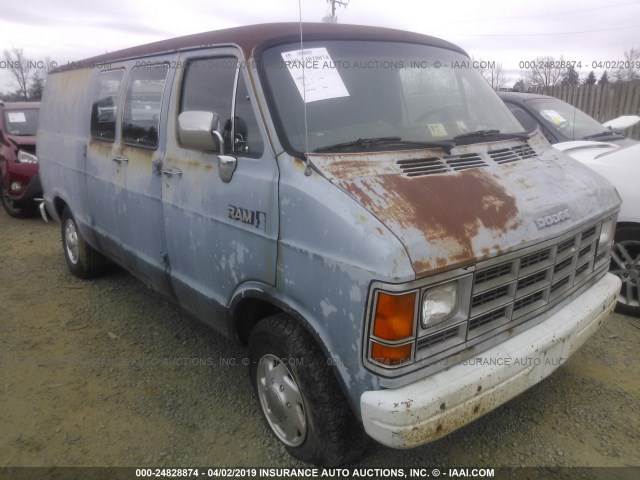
[[482, 200]]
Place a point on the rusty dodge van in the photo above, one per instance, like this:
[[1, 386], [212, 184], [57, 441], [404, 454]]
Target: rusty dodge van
[[354, 204]]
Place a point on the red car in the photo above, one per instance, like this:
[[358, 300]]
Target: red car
[[20, 185]]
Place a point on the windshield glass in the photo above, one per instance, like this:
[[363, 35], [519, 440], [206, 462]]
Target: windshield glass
[[565, 119], [21, 122], [379, 90]]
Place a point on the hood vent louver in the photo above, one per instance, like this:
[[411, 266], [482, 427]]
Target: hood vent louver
[[422, 166], [464, 161], [418, 167], [513, 154]]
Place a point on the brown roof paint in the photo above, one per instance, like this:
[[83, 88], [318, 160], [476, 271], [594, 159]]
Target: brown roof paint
[[251, 36]]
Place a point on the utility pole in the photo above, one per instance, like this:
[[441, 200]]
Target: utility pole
[[333, 18]]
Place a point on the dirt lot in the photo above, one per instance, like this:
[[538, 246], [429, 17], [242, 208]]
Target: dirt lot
[[108, 373]]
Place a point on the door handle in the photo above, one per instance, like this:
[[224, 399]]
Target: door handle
[[226, 167], [120, 160], [171, 172]]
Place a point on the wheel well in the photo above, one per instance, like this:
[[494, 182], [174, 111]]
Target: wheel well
[[627, 225], [59, 205], [248, 313]]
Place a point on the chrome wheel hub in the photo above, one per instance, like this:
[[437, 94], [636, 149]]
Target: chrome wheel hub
[[625, 263], [71, 241], [281, 401]]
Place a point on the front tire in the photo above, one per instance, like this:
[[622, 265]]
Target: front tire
[[625, 263], [82, 259], [15, 212], [299, 395]]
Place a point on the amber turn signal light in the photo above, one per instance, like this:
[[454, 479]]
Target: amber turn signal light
[[390, 355], [395, 316]]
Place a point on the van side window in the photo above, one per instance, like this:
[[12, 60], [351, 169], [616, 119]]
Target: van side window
[[105, 105], [141, 115], [208, 87], [248, 140]]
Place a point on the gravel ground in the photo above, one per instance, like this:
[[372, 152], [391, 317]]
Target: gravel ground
[[109, 373]]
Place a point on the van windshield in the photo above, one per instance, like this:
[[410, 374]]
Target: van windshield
[[385, 93]]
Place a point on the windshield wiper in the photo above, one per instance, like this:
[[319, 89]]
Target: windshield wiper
[[491, 133], [369, 142], [604, 133]]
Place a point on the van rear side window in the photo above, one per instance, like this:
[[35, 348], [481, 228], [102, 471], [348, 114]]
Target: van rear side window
[[141, 116], [105, 105]]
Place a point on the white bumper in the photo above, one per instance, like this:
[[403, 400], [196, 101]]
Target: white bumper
[[435, 406]]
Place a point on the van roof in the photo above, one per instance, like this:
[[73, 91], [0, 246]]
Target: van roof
[[251, 36]]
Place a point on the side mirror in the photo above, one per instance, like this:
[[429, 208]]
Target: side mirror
[[199, 130]]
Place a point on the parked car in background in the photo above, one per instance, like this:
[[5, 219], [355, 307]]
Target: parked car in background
[[607, 152], [560, 122], [20, 185], [621, 166]]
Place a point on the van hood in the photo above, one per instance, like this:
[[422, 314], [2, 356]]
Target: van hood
[[481, 201]]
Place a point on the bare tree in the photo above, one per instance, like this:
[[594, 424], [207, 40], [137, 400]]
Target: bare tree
[[628, 72], [491, 71], [495, 76], [20, 67], [546, 72]]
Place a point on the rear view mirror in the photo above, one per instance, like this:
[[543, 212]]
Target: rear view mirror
[[198, 130]]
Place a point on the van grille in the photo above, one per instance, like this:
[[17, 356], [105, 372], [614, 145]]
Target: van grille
[[511, 290]]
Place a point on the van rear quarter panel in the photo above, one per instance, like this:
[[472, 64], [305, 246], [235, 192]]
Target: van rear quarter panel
[[63, 133]]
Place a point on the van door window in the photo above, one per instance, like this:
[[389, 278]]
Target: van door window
[[208, 87], [247, 139], [105, 105], [142, 106]]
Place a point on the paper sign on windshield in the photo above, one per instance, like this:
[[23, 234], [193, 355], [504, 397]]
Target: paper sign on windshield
[[321, 78], [553, 116], [16, 117]]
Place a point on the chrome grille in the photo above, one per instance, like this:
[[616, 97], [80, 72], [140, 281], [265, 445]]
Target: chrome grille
[[509, 291]]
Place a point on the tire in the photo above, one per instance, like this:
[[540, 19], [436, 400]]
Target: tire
[[625, 263], [319, 426], [82, 259], [14, 212]]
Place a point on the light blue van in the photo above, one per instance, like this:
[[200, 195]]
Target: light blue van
[[362, 211]]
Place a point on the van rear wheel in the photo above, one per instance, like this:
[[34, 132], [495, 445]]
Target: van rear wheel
[[82, 259], [299, 395]]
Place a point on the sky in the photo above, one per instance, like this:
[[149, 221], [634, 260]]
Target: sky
[[506, 32]]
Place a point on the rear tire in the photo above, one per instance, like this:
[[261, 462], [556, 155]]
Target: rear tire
[[299, 395], [82, 259], [625, 263]]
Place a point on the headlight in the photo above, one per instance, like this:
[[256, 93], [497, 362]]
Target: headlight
[[439, 303], [607, 232], [24, 157]]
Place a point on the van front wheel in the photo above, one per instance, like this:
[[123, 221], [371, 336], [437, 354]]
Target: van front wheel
[[299, 395], [82, 259]]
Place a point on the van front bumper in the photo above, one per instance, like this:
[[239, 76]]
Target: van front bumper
[[435, 406]]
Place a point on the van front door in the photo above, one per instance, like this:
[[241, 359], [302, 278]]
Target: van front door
[[220, 211]]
